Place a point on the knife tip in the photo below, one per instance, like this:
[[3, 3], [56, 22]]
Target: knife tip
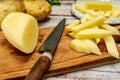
[[64, 19]]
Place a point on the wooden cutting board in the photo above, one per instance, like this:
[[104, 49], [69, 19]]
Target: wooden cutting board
[[14, 63]]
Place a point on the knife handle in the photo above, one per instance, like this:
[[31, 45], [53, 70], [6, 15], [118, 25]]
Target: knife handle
[[40, 68]]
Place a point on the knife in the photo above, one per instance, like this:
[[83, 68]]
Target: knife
[[47, 49]]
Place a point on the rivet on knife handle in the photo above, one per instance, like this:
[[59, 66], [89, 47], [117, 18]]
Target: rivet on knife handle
[[48, 48]]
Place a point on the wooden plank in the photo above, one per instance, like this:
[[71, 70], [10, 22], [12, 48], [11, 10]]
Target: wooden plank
[[87, 75], [63, 10], [53, 20]]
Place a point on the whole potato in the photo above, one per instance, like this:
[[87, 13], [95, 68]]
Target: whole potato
[[40, 9], [8, 6]]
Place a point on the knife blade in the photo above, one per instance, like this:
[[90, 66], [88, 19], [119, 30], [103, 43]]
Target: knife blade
[[48, 49]]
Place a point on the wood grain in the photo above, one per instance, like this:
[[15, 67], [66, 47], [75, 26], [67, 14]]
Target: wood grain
[[14, 63], [39, 70]]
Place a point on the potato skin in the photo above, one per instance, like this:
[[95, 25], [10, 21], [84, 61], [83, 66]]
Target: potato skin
[[8, 6], [40, 9]]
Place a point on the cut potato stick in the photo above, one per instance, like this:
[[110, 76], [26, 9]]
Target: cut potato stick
[[84, 10], [94, 22], [97, 40], [111, 46], [83, 20], [108, 27], [79, 46], [92, 46], [80, 8], [95, 27], [93, 33], [88, 17], [99, 5], [115, 12], [107, 13], [101, 12], [85, 45], [73, 35], [74, 23]]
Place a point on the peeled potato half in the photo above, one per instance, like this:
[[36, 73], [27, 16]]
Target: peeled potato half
[[21, 30]]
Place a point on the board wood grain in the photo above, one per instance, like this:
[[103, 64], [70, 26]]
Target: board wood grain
[[14, 63]]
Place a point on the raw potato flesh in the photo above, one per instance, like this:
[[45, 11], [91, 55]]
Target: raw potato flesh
[[79, 46], [111, 46], [111, 28], [74, 23], [93, 33], [89, 24], [99, 5], [92, 46], [21, 30], [85, 45]]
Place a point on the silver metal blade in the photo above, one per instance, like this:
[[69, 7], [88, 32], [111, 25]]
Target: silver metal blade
[[52, 41]]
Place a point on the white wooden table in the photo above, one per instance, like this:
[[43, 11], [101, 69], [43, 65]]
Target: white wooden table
[[106, 72]]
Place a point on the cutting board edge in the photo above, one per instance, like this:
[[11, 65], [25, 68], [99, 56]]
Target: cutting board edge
[[61, 71], [12, 75], [79, 67]]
